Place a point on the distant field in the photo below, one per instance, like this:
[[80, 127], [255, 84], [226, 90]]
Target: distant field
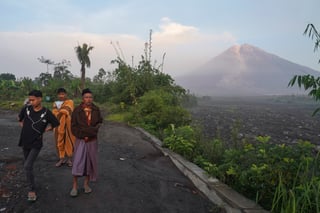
[[285, 118]]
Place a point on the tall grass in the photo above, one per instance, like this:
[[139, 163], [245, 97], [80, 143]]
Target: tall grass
[[303, 195]]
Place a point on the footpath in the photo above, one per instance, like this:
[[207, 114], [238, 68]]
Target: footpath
[[135, 175]]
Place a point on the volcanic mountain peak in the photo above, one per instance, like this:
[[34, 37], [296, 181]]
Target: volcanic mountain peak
[[246, 51], [246, 70], [238, 49]]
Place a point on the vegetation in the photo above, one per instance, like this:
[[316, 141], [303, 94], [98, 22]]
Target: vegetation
[[309, 82]]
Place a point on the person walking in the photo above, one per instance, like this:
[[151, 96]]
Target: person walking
[[85, 123], [62, 109], [34, 120]]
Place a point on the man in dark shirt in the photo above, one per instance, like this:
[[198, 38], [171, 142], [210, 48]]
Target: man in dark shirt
[[34, 120]]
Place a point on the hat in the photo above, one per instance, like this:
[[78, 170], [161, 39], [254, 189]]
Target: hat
[[35, 93]]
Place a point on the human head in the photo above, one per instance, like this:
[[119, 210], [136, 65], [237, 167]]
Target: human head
[[87, 97], [35, 98], [62, 94]]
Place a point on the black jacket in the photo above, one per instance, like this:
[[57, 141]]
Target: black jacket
[[34, 125]]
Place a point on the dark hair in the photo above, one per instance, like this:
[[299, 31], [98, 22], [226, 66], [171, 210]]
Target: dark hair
[[35, 93], [61, 90], [87, 90]]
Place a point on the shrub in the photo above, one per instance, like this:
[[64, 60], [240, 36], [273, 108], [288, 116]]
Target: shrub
[[180, 140], [254, 169], [156, 110]]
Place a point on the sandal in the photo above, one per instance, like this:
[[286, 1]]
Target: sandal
[[59, 163], [87, 189], [32, 196], [74, 192], [69, 163]]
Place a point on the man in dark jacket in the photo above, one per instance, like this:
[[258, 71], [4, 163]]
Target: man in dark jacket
[[85, 123]]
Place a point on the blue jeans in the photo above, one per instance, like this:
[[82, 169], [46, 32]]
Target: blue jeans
[[30, 156]]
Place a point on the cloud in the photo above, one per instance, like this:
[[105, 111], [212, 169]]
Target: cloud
[[186, 47], [175, 33]]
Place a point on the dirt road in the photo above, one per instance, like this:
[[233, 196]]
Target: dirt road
[[133, 177]]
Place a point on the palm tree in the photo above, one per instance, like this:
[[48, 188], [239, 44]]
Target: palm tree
[[83, 57], [46, 61]]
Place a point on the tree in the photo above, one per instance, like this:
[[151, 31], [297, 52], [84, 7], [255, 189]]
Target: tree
[[312, 32], [100, 77], [61, 71], [309, 82], [44, 79], [132, 82], [46, 61], [83, 57], [7, 76], [27, 84]]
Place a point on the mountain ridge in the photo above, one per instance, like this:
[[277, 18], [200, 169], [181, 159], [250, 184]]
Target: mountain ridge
[[244, 70]]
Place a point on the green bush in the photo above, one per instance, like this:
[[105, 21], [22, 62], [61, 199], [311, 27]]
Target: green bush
[[281, 178], [209, 167], [156, 110], [212, 150], [254, 169], [180, 140]]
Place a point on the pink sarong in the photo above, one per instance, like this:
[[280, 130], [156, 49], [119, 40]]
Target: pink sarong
[[85, 159]]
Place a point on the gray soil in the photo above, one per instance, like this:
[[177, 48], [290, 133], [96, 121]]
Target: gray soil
[[133, 176], [285, 119]]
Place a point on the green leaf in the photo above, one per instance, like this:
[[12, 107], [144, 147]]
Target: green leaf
[[316, 111], [292, 81]]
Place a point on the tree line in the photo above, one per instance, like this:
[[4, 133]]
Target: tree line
[[12, 87]]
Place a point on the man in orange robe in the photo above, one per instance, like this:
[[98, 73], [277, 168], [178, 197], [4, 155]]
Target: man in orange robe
[[64, 138]]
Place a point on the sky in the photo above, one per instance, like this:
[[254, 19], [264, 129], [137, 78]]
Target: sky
[[185, 33]]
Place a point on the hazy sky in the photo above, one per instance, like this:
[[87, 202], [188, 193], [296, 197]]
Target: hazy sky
[[190, 33]]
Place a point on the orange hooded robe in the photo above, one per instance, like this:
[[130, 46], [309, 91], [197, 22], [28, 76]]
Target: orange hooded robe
[[63, 135]]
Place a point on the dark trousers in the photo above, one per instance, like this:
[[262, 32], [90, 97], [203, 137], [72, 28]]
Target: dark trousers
[[30, 156]]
